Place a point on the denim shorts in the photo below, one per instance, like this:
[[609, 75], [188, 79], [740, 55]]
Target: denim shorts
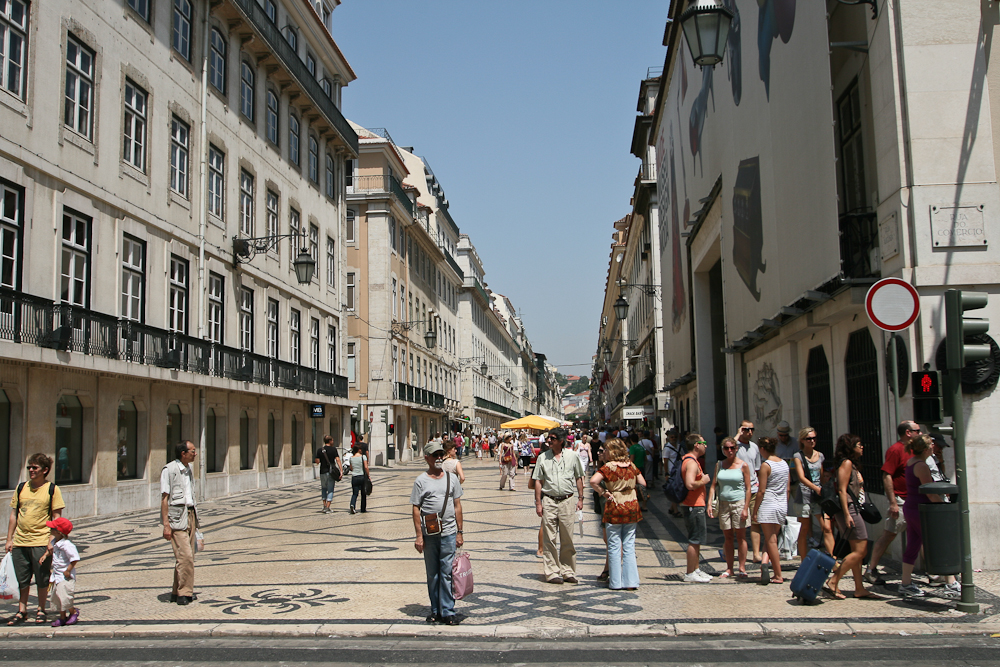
[[327, 483]]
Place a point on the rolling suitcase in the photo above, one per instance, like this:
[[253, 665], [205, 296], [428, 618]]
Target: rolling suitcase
[[811, 575]]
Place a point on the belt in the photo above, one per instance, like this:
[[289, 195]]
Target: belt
[[558, 499]]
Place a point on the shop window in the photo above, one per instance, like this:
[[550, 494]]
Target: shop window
[[245, 459], [128, 440], [174, 419], [211, 452], [69, 440], [273, 447], [4, 440]]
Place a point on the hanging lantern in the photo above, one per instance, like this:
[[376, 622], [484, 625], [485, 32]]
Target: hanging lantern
[[706, 28]]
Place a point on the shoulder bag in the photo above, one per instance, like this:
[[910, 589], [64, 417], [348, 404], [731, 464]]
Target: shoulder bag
[[866, 508], [337, 473], [431, 521]]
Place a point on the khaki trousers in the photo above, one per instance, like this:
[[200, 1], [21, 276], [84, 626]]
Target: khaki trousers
[[183, 543], [558, 517]]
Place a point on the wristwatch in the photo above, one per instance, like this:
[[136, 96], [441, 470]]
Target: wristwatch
[[460, 531]]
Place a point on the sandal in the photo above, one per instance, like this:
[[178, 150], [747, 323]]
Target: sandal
[[17, 619], [603, 576], [777, 580], [41, 617], [724, 575]]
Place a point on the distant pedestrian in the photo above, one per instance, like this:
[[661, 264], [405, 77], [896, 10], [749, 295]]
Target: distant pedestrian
[[583, 451], [558, 476], [621, 513], [179, 515], [33, 503], [731, 489], [62, 579], [451, 462], [508, 462], [671, 457], [851, 491], [437, 520], [359, 475], [693, 506], [771, 507], [330, 471], [527, 451]]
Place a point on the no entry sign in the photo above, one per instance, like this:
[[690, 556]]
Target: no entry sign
[[892, 304]]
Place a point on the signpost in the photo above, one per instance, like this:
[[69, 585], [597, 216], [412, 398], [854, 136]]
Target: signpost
[[893, 305]]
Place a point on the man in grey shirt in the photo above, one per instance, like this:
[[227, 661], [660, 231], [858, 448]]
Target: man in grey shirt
[[437, 493], [750, 455]]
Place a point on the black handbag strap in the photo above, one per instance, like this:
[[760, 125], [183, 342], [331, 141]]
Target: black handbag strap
[[322, 451], [447, 492]]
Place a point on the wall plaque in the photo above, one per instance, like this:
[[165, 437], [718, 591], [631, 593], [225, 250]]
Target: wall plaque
[[888, 234], [956, 226]]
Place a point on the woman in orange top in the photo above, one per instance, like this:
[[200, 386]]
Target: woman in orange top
[[621, 513]]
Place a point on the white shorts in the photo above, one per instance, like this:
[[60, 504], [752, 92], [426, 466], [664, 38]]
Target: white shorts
[[62, 594], [897, 525]]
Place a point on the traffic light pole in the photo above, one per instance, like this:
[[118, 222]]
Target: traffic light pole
[[955, 343], [894, 380]]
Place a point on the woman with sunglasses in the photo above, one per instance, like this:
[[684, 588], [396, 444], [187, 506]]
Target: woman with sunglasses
[[849, 521], [771, 507], [621, 513], [808, 463], [731, 487]]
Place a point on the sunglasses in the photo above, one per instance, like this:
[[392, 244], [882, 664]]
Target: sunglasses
[[701, 442], [812, 438], [747, 429], [730, 449], [33, 467]]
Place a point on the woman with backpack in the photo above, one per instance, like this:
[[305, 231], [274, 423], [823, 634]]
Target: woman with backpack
[[849, 522], [808, 463], [731, 490]]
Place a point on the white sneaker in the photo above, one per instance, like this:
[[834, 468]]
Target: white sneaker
[[911, 591], [696, 577], [704, 575], [952, 590]]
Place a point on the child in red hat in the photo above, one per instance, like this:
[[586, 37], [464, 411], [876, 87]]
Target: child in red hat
[[63, 577]]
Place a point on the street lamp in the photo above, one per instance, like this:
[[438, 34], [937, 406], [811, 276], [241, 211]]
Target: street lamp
[[245, 249], [430, 338], [706, 29], [483, 368], [305, 267], [621, 308], [508, 383]]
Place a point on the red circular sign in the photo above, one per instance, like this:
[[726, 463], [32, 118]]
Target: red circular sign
[[892, 304]]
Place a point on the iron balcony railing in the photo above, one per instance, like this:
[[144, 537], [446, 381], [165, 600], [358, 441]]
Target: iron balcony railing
[[29, 319], [405, 392], [859, 245], [496, 407], [452, 263], [290, 59], [642, 390], [379, 183]]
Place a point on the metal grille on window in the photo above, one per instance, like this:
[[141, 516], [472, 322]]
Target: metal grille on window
[[818, 396], [864, 417]]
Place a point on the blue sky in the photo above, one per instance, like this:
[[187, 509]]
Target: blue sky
[[525, 112]]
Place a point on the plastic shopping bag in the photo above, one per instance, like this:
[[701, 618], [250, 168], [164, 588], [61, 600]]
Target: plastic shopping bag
[[8, 578], [461, 575], [788, 540]]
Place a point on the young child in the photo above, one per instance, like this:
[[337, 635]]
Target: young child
[[63, 578]]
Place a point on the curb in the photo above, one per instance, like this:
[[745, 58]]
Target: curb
[[330, 630]]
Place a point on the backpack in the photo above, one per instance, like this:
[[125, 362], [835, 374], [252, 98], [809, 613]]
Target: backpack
[[52, 490], [829, 497], [675, 488]]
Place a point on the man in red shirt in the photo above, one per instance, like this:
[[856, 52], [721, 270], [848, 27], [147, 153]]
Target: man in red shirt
[[894, 483]]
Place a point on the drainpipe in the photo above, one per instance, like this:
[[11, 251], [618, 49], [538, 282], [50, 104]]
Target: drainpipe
[[202, 222]]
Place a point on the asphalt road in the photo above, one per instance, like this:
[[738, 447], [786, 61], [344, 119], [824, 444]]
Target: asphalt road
[[893, 651]]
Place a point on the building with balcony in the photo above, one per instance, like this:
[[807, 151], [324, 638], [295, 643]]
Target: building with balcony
[[849, 149], [402, 299], [135, 325]]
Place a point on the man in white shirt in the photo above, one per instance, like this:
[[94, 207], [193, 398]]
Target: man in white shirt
[[750, 454], [647, 444], [180, 520]]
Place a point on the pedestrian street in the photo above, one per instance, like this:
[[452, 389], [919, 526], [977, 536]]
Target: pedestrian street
[[272, 557]]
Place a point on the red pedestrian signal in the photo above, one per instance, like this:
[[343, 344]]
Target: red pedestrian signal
[[926, 397]]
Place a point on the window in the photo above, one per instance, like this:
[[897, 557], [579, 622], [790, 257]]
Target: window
[[394, 290], [852, 150], [330, 188], [272, 328], [295, 242], [177, 319], [216, 180], [133, 278], [331, 348], [246, 319], [75, 260], [331, 262], [181, 40], [272, 117], [246, 203], [314, 342], [293, 139], [245, 459], [272, 10], [292, 37], [314, 246], [295, 338], [350, 291], [395, 364], [327, 88], [349, 232], [402, 301], [351, 371], [272, 213], [216, 307], [128, 440], [79, 87], [349, 175], [11, 213], [311, 64], [273, 449], [246, 90], [13, 31], [217, 60], [179, 144], [211, 463], [296, 444], [69, 440], [313, 159], [141, 8], [392, 233]]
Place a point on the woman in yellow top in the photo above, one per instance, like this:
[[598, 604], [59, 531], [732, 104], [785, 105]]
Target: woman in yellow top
[[34, 503]]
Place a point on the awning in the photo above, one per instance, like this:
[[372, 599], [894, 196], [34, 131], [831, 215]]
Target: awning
[[532, 421]]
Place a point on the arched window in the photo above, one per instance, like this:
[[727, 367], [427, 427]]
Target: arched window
[[272, 117], [273, 447], [211, 464], [217, 61], [313, 159], [293, 140], [246, 89], [818, 397]]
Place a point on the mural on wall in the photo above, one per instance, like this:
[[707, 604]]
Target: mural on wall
[[699, 109], [734, 53], [775, 19], [748, 228], [767, 399], [679, 300]]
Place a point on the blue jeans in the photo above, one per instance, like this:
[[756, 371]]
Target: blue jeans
[[326, 486], [439, 552], [358, 486], [622, 569]]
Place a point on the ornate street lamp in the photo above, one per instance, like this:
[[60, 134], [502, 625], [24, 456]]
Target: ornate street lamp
[[245, 249], [706, 29], [305, 267], [483, 368], [621, 308], [430, 338]]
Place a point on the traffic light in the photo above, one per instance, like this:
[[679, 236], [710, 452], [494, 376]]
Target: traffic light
[[385, 416], [392, 429], [926, 397], [958, 327]]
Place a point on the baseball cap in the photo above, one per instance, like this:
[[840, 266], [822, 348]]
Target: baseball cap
[[783, 427], [432, 448], [62, 524]]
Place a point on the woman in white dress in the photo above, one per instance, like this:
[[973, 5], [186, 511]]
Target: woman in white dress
[[771, 507]]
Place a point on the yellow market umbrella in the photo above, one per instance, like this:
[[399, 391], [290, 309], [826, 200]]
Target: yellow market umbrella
[[531, 421]]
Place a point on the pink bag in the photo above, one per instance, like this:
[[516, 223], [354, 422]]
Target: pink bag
[[461, 575]]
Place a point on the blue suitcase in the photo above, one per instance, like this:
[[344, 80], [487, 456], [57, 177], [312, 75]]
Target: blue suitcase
[[812, 575]]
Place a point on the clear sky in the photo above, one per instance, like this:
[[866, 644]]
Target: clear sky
[[525, 112]]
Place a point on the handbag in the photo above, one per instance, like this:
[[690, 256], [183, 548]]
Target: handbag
[[368, 486], [337, 473], [866, 508], [461, 575]]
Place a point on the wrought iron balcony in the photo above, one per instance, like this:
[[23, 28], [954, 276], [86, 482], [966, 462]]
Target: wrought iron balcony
[[859, 245], [453, 264], [642, 390], [496, 407], [378, 184], [29, 319], [411, 394]]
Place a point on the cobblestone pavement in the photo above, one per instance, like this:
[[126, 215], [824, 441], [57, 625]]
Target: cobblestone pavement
[[275, 564]]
